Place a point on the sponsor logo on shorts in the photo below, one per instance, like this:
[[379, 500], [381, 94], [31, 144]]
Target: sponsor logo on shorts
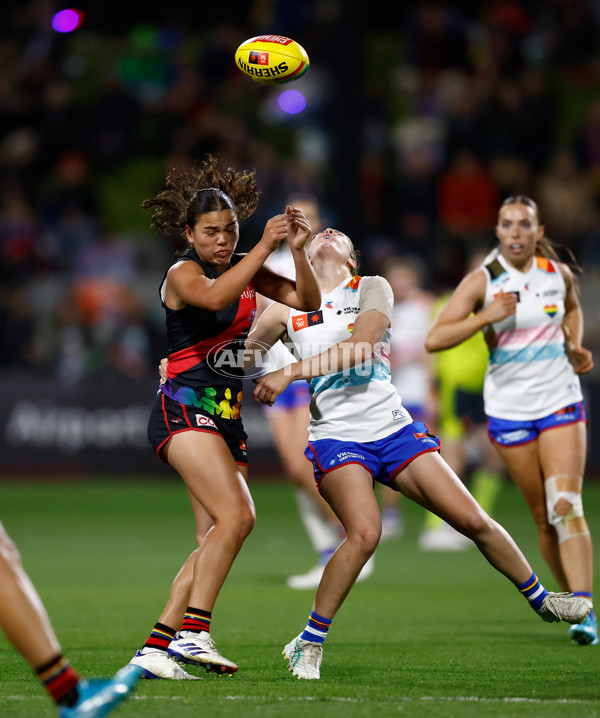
[[511, 437], [425, 438], [346, 455], [202, 420], [397, 414], [243, 446], [565, 414]]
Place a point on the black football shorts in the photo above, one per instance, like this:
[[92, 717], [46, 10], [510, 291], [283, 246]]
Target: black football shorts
[[169, 417]]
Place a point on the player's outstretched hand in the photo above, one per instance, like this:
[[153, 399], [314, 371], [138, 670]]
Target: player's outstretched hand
[[276, 230], [299, 230], [270, 386]]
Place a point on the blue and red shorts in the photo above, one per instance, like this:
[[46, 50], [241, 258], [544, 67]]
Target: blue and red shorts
[[168, 417], [382, 458], [514, 433]]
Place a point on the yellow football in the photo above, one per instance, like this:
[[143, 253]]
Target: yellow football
[[272, 59]]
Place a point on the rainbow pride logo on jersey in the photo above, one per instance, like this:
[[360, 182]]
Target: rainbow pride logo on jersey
[[551, 310], [353, 284], [545, 265]]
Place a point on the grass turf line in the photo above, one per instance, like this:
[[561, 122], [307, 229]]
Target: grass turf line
[[428, 634]]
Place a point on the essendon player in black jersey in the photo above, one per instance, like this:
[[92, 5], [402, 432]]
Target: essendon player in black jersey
[[195, 424], [203, 348]]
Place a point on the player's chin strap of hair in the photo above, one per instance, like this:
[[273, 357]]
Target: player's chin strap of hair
[[565, 507]]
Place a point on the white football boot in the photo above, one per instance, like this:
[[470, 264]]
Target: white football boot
[[565, 607], [308, 580], [443, 538], [157, 664], [198, 649], [304, 658], [312, 578]]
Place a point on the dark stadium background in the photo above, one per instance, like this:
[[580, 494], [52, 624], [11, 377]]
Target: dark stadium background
[[420, 118]]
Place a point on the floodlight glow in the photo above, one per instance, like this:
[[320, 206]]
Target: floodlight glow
[[67, 20], [291, 101]]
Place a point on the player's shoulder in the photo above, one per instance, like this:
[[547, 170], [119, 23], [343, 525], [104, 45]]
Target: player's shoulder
[[374, 281], [184, 269]]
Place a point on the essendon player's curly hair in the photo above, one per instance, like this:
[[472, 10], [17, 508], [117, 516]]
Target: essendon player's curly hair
[[190, 193]]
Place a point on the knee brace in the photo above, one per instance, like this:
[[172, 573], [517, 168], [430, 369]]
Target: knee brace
[[566, 490]]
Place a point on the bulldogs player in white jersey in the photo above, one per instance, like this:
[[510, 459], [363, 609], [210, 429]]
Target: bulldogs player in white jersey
[[288, 421], [526, 303], [360, 433]]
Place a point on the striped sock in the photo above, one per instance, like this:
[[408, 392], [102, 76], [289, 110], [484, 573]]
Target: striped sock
[[159, 639], [533, 591], [586, 594], [316, 628], [60, 680], [196, 620]]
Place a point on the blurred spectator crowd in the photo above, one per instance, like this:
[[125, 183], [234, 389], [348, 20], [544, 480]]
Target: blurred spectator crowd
[[450, 107]]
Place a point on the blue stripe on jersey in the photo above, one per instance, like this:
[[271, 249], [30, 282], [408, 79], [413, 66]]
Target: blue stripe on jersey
[[527, 354], [354, 377]]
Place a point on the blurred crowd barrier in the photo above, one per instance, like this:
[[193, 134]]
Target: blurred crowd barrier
[[73, 432]]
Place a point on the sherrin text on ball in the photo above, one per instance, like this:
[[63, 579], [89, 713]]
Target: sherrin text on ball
[[272, 59]]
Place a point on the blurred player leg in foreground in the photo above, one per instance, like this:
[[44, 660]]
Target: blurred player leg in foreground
[[26, 625]]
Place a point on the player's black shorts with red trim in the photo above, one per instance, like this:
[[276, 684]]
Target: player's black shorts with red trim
[[169, 417]]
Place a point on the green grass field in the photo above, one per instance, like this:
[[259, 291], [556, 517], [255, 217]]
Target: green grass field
[[427, 635]]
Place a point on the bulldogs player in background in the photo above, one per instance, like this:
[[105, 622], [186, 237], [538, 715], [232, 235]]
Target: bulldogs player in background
[[527, 305]]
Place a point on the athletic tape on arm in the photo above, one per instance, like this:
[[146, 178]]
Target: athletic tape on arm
[[376, 294]]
